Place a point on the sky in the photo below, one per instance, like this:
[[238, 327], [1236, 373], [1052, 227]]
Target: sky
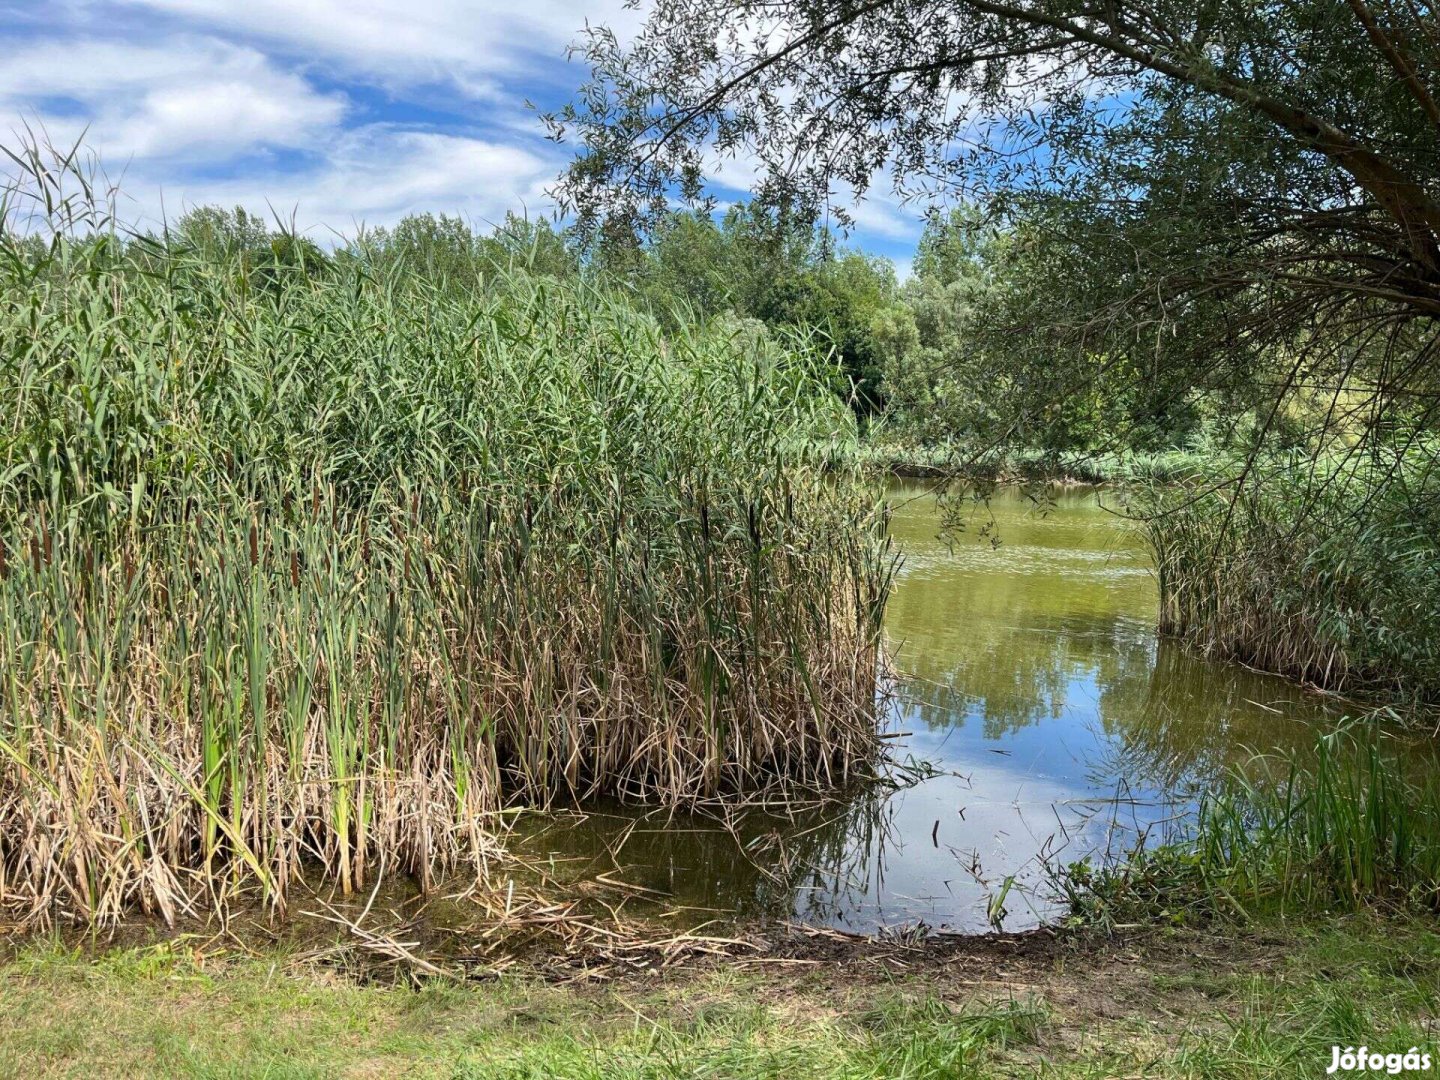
[[333, 113]]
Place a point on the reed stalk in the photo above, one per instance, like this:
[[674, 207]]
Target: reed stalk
[[312, 572]]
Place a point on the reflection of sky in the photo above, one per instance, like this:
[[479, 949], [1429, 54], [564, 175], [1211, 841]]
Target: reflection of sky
[[1030, 676]]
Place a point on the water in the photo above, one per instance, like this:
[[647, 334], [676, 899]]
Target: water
[[1033, 684]]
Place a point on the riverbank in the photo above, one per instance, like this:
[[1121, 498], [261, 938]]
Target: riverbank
[[1266, 998], [923, 462]]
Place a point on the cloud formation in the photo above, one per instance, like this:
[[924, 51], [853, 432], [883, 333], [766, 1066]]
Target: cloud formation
[[194, 99], [335, 112]]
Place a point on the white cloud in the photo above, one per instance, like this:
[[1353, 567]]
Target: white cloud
[[342, 111], [192, 119], [372, 176], [187, 98], [880, 216], [467, 44]]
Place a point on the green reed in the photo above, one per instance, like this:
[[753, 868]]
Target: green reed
[[316, 570], [1327, 571], [1354, 824]]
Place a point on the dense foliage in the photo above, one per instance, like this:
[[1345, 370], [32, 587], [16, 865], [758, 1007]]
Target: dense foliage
[[1231, 199], [311, 565]]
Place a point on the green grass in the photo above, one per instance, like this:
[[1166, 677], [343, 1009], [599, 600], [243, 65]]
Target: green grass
[[1357, 826], [1268, 1000], [245, 1017], [1309, 987]]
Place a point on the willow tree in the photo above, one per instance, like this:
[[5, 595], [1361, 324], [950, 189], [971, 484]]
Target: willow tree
[[1224, 196]]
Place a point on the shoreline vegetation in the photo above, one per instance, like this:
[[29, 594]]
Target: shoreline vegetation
[[316, 568], [1327, 573], [905, 459]]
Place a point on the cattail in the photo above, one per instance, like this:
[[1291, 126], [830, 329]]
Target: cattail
[[254, 545], [294, 569]]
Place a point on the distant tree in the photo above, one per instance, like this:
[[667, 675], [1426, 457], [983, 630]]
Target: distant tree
[[954, 248], [439, 247], [224, 233], [688, 267], [780, 271], [532, 243], [970, 280], [257, 249], [1240, 200]]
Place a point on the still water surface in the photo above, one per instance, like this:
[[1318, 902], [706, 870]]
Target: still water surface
[[1033, 684]]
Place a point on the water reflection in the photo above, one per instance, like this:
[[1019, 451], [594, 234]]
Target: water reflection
[[1033, 681]]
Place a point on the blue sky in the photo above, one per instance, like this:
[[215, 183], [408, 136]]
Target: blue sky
[[338, 113]]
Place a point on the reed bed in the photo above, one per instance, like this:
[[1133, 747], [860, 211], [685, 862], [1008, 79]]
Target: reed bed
[[1324, 571], [312, 568]]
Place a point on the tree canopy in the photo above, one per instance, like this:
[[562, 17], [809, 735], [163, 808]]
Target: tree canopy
[[1231, 198]]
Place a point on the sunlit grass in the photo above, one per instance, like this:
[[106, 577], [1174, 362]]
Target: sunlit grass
[[1269, 1000]]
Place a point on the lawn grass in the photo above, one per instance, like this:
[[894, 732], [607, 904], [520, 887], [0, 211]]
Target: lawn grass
[[1266, 999]]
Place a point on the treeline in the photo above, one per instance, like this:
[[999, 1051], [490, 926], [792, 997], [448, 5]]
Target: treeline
[[926, 359]]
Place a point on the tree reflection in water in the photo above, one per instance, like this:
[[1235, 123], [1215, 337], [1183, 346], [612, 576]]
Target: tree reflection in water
[[1032, 680]]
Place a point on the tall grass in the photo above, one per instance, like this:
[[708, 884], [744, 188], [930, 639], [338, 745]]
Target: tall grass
[[1326, 572], [1353, 825], [312, 567]]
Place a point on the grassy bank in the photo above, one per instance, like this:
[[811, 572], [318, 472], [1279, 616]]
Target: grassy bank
[[908, 459], [1327, 572], [1300, 916], [1267, 1000], [1353, 827], [312, 565]]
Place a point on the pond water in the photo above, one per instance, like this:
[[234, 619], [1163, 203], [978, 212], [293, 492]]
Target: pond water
[[1054, 723]]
